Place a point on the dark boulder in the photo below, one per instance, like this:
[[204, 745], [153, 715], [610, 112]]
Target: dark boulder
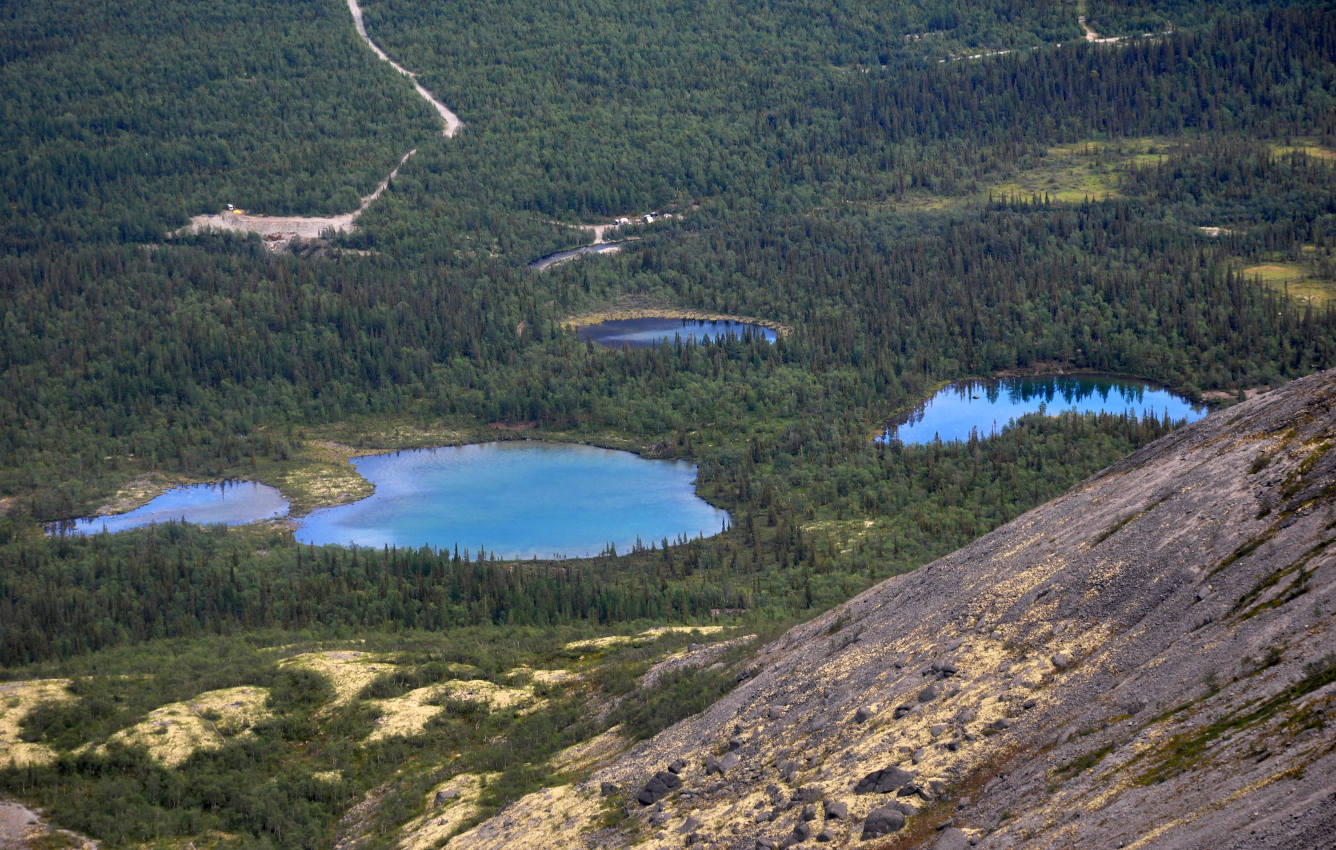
[[659, 786], [883, 781], [836, 810]]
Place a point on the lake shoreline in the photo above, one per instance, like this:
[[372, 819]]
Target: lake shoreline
[[1213, 400]]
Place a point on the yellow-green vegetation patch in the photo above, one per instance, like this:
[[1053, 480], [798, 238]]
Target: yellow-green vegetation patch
[[544, 677], [1294, 280], [1081, 171], [348, 670], [1313, 150], [320, 472], [408, 715], [639, 639], [841, 533], [140, 492], [16, 700], [173, 733], [322, 475], [592, 754], [551, 818], [481, 691], [448, 807]]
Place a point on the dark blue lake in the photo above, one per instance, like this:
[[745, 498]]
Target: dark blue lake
[[987, 407], [518, 500], [228, 503], [642, 333]]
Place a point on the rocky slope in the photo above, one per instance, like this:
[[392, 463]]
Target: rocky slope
[[1144, 662]]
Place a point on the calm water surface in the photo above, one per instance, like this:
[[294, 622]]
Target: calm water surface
[[990, 406], [551, 260], [642, 333], [228, 503], [518, 500]]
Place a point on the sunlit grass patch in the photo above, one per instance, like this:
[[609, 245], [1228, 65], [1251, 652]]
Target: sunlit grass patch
[[174, 732], [644, 637], [16, 700], [458, 804], [1294, 280], [348, 671], [1316, 151]]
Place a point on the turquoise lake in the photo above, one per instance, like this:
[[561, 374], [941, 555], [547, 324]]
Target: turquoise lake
[[642, 333], [227, 503], [987, 407], [518, 500]]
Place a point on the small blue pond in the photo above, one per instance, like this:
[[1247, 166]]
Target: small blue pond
[[987, 407], [518, 500], [643, 333], [228, 503]]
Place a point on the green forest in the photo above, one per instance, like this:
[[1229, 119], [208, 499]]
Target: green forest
[[918, 192]]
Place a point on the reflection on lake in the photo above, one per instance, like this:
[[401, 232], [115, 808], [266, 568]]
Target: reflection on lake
[[643, 333], [551, 260], [987, 407], [518, 500], [228, 503]]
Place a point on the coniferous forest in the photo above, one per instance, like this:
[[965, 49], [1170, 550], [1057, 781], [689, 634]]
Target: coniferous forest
[[917, 192]]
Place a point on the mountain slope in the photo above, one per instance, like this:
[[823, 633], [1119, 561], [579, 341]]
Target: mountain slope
[[1143, 662]]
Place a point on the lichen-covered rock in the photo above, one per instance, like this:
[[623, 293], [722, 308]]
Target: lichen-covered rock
[[722, 764]]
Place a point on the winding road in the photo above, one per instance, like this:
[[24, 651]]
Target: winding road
[[452, 122], [279, 231]]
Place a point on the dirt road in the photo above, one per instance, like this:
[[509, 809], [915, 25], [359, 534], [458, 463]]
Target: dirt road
[[278, 231], [452, 122]]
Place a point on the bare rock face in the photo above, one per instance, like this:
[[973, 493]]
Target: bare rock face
[[1148, 661]]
